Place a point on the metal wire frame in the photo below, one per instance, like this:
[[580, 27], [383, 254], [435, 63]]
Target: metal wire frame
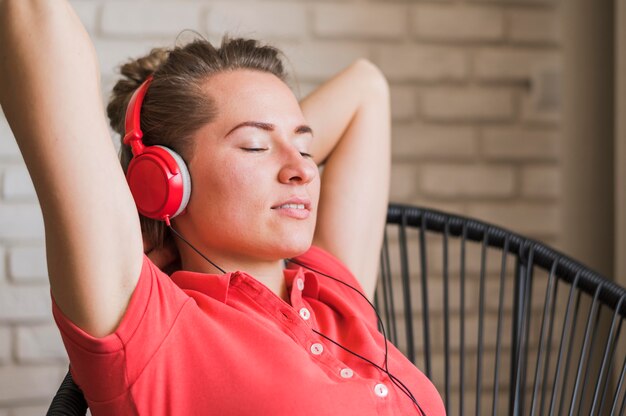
[[546, 293]]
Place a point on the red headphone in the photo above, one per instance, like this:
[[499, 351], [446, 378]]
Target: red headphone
[[157, 176]]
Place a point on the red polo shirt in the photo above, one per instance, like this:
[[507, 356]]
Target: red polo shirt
[[201, 344]]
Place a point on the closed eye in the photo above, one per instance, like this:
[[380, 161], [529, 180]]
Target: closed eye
[[253, 149]]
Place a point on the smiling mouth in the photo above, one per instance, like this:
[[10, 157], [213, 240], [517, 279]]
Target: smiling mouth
[[296, 210], [291, 206]]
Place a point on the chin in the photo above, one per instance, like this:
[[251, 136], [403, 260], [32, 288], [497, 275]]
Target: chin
[[293, 248]]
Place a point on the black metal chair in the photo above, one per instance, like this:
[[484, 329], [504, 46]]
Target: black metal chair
[[502, 324]]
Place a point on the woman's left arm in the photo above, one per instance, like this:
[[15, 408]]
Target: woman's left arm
[[351, 121]]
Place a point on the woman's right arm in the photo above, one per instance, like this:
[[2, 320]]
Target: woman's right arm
[[50, 94]]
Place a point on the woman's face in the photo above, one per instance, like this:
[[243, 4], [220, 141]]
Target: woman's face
[[254, 189]]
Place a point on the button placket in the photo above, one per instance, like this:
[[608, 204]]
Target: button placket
[[296, 293], [381, 390], [346, 373], [317, 348], [305, 314]]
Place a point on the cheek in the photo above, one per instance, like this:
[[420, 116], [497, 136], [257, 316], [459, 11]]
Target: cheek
[[314, 190], [232, 187]]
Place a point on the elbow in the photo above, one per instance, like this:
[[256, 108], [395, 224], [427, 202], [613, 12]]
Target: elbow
[[376, 78]]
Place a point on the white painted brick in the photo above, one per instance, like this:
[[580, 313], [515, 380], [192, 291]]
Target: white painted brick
[[418, 140], [365, 20], [113, 53], [124, 18], [21, 221], [3, 264], [467, 104], [17, 184], [511, 64], [40, 343], [470, 181], [422, 63], [8, 145], [529, 219], [520, 144], [536, 26], [403, 102], [87, 12], [25, 303], [5, 344], [28, 264], [32, 382], [458, 22], [403, 182], [541, 181], [269, 20], [321, 60]]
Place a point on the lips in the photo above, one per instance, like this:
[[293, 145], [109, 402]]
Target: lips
[[295, 208], [291, 206], [294, 203]]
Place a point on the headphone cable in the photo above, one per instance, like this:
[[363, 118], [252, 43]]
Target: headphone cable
[[393, 378], [384, 369]]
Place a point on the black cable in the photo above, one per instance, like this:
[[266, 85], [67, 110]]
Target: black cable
[[393, 378], [195, 249], [380, 321]]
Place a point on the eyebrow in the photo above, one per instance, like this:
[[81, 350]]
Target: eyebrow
[[301, 129]]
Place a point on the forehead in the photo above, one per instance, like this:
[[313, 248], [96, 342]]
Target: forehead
[[248, 94]]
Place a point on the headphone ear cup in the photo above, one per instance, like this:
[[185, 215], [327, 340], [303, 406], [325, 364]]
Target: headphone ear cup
[[159, 182]]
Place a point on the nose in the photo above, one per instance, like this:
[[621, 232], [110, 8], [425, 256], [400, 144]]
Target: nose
[[297, 169]]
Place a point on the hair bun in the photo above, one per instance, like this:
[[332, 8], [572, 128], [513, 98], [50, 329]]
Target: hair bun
[[139, 69], [134, 72]]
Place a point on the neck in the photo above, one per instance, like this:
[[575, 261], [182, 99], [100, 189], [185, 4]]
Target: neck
[[270, 273]]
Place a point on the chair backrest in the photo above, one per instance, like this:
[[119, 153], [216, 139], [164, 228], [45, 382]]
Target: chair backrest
[[501, 324]]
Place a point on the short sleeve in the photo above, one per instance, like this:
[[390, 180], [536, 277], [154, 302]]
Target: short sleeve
[[105, 367]]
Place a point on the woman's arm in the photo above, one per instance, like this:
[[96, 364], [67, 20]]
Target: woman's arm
[[351, 121], [50, 94]]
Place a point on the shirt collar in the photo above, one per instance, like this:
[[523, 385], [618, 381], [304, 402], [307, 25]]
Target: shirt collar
[[217, 285], [214, 285], [311, 285]]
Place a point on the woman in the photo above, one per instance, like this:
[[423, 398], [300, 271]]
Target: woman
[[240, 334]]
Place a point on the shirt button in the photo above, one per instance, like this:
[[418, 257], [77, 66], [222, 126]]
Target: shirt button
[[317, 348], [346, 372], [305, 314], [381, 390], [300, 283]]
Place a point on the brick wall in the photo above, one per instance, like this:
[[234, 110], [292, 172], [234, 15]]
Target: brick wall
[[475, 125]]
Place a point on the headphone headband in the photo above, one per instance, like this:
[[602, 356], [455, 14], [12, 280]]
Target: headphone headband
[[132, 124]]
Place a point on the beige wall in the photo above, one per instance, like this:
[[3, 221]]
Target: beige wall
[[588, 133], [476, 126]]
